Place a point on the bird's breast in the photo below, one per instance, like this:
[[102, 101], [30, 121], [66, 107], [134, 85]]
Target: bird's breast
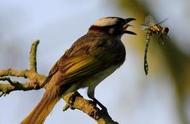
[[100, 76]]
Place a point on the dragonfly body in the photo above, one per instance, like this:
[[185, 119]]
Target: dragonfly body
[[158, 29], [152, 28]]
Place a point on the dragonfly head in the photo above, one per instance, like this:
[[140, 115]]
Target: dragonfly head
[[165, 30]]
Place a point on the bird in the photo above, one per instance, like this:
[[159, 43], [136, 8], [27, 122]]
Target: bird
[[91, 59]]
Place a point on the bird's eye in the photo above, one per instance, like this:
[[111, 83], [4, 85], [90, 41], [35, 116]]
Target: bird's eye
[[112, 30]]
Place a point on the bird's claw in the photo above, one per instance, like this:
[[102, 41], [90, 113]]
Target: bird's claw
[[104, 109], [2, 93], [93, 102]]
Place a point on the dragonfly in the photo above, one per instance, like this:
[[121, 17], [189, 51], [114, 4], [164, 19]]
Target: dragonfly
[[152, 29]]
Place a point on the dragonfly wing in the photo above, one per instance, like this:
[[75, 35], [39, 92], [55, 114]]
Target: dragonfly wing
[[144, 27], [149, 20], [160, 22]]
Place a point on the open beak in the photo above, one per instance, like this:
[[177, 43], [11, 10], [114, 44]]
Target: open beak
[[127, 20]]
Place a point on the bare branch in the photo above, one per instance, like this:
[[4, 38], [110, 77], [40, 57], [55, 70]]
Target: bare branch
[[16, 85], [32, 59], [76, 101], [31, 75]]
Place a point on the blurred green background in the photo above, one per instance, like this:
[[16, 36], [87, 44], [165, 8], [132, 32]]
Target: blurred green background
[[131, 97]]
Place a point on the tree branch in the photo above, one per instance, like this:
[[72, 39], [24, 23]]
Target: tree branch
[[33, 51], [35, 81], [76, 101]]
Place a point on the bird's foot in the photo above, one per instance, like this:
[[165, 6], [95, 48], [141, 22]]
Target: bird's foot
[[104, 111], [103, 108], [71, 101]]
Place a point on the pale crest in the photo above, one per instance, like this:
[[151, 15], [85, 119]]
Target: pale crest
[[107, 21]]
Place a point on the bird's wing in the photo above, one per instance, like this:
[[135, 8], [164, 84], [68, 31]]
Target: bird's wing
[[149, 20], [80, 67], [87, 61], [84, 60]]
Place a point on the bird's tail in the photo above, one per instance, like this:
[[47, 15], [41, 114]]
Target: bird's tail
[[42, 110]]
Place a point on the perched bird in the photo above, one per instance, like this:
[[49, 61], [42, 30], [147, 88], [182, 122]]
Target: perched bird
[[90, 59]]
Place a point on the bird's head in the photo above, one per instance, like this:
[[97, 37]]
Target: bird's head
[[112, 25]]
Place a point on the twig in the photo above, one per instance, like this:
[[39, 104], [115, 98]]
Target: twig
[[33, 51], [15, 85]]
